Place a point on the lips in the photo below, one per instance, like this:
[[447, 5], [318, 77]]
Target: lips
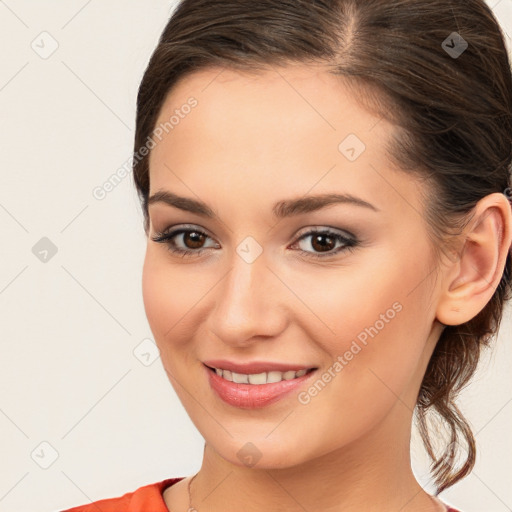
[[254, 396], [254, 367]]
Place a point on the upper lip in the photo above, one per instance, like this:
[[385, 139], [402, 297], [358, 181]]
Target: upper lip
[[254, 367]]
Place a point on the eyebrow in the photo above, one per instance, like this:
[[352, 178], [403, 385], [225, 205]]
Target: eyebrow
[[281, 209]]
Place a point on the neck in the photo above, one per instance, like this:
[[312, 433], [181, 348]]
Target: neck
[[371, 474]]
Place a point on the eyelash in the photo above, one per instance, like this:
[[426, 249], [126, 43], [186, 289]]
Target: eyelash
[[167, 236]]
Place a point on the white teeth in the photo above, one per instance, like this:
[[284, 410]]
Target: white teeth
[[274, 377], [259, 378], [240, 378]]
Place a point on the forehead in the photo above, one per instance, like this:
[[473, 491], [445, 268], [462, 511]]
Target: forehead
[[296, 95], [290, 128]]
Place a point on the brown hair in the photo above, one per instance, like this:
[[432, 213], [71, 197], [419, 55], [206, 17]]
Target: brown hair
[[453, 115]]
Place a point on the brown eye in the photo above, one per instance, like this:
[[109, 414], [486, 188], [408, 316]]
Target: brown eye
[[185, 242], [195, 237], [323, 242]]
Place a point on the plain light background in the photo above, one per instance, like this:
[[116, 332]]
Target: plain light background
[[86, 410]]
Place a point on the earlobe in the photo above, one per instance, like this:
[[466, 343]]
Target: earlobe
[[471, 280]]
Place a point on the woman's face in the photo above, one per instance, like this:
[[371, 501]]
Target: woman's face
[[268, 286]]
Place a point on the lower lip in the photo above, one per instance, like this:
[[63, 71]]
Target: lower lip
[[253, 396]]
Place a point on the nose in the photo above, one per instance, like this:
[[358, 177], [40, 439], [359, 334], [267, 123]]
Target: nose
[[249, 303]]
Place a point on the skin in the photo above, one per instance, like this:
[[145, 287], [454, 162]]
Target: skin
[[254, 140]]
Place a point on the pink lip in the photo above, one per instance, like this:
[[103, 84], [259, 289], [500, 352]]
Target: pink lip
[[252, 396], [254, 366]]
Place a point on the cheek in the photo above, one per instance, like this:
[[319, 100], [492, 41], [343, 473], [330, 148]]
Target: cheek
[[165, 297], [154, 295], [377, 325], [170, 304], [176, 301]]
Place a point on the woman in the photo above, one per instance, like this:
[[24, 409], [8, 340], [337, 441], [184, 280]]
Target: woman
[[325, 191]]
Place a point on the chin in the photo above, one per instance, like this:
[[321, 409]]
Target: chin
[[261, 453]]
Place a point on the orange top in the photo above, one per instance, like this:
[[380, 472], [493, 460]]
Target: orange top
[[145, 499]]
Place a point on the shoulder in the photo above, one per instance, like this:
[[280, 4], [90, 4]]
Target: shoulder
[[147, 498]]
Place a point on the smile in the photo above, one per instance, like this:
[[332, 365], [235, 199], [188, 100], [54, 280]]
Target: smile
[[259, 378], [254, 391]]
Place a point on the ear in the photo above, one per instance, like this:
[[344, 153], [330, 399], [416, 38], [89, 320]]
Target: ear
[[471, 279]]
